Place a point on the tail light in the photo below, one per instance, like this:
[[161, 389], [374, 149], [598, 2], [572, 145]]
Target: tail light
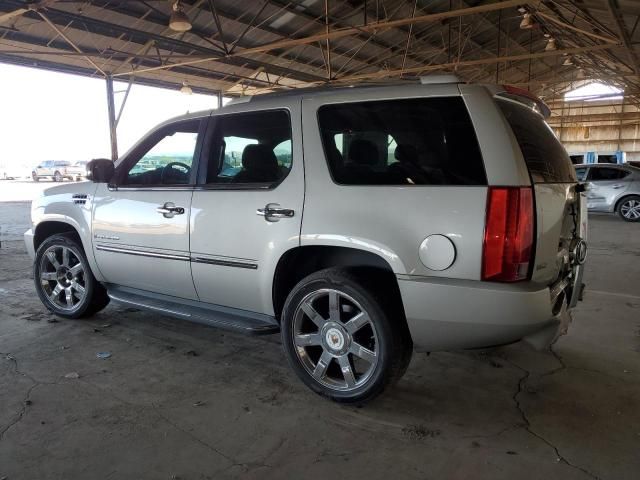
[[508, 236]]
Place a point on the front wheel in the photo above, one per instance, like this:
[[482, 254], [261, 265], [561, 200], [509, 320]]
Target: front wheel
[[57, 177], [629, 209], [35, 177], [340, 339], [63, 280]]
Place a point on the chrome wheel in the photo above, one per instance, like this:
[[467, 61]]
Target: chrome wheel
[[630, 209], [335, 339], [62, 278]]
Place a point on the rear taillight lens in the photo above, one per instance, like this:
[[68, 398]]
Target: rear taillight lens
[[508, 236]]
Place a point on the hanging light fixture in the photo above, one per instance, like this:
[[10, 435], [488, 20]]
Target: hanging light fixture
[[551, 45], [186, 89], [527, 22], [179, 20]]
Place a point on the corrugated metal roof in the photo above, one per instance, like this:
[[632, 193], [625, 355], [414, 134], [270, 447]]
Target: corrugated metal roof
[[231, 45]]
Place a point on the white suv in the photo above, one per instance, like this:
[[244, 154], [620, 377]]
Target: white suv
[[362, 223]]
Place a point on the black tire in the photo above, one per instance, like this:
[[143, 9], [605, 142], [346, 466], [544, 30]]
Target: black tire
[[386, 334], [47, 277], [57, 177], [629, 207], [35, 177]]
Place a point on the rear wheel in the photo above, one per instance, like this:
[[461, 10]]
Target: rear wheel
[[340, 339], [35, 177], [629, 209], [64, 281]]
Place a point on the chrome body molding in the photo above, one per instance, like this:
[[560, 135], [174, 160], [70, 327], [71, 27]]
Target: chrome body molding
[[225, 263], [184, 258], [143, 253]]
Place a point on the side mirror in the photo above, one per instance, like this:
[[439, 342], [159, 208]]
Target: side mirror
[[100, 170]]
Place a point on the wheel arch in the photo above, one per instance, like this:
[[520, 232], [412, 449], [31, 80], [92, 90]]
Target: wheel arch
[[622, 198], [299, 262]]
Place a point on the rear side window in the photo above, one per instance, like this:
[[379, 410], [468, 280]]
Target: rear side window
[[251, 148], [607, 174], [426, 141], [546, 158]]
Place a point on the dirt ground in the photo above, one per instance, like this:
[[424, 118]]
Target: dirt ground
[[183, 401]]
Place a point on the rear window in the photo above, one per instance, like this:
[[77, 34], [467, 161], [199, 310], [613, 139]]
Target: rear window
[[546, 158], [426, 141]]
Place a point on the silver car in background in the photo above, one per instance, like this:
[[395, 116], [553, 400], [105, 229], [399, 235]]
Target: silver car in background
[[612, 189]]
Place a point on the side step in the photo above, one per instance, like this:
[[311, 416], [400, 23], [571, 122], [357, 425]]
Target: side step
[[200, 312]]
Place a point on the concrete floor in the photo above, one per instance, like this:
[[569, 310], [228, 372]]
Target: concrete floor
[[178, 400]]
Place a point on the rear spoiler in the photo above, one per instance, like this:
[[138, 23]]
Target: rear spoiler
[[522, 96]]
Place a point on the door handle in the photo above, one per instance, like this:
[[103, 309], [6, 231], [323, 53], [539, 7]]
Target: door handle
[[272, 212], [169, 209], [617, 186]]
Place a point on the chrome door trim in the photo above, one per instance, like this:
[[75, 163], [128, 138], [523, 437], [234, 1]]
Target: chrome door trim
[[143, 253], [225, 263]]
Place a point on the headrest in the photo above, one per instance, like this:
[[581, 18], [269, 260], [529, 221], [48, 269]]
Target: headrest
[[363, 152], [259, 157], [406, 153]]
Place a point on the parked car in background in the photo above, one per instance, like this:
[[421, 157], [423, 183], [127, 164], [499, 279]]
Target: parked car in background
[[612, 188], [78, 170], [634, 163], [361, 223], [55, 170]]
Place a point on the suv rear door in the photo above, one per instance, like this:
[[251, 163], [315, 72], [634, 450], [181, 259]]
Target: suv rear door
[[560, 208], [247, 208]]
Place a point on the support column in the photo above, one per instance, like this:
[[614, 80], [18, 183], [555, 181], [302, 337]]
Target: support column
[[219, 99], [112, 118]]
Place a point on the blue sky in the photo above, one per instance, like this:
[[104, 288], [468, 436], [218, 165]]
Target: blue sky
[[55, 116]]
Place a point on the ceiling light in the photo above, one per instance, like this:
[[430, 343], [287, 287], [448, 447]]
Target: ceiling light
[[186, 89], [527, 22], [179, 20], [551, 45]]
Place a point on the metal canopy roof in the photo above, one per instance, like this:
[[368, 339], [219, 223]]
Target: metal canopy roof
[[248, 47]]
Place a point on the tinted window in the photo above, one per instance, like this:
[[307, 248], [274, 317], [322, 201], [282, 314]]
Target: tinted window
[[607, 174], [546, 158], [251, 148], [427, 141], [168, 157], [581, 173]]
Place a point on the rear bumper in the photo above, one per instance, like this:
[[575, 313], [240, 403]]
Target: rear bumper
[[28, 242], [456, 314]]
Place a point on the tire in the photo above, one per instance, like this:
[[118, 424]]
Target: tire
[[354, 353], [57, 177], [61, 266], [629, 208], [35, 177]]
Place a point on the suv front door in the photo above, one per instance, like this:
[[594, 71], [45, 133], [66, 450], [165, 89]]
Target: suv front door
[[247, 209], [141, 221]]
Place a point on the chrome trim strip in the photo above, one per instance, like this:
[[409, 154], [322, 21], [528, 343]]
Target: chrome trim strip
[[224, 263], [141, 253]]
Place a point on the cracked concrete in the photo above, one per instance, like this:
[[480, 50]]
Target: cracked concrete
[[234, 409]]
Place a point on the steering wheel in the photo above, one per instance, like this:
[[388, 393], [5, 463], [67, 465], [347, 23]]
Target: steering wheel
[[169, 167]]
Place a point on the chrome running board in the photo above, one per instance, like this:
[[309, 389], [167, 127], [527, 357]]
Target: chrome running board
[[200, 312]]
